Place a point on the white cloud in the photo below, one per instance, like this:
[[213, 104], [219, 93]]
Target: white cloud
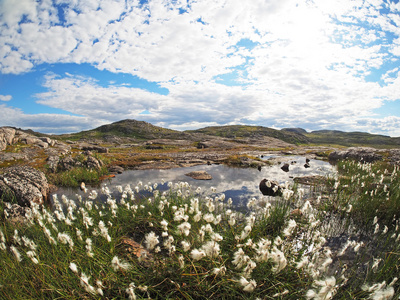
[[308, 66], [5, 97], [46, 123]]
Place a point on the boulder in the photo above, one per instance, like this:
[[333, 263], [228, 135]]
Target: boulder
[[93, 163], [48, 141], [6, 137], [17, 214], [116, 169], [25, 184], [363, 154], [96, 148], [52, 163], [270, 188], [199, 175], [285, 168], [68, 163]]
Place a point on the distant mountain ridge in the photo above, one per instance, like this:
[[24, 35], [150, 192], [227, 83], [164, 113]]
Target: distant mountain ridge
[[141, 131], [247, 131]]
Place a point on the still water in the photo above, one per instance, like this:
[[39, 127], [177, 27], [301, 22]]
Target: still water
[[240, 184]]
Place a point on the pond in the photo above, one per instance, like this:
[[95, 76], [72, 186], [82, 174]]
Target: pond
[[240, 184]]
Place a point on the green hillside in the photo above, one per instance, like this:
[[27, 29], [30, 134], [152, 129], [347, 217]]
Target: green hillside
[[351, 138], [137, 130], [245, 131]]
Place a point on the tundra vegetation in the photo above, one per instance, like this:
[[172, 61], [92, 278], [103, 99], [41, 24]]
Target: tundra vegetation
[[339, 240]]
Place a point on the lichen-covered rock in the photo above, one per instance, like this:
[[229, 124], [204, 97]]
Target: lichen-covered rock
[[6, 137], [25, 183], [52, 163], [93, 163], [17, 214], [363, 154], [68, 163]]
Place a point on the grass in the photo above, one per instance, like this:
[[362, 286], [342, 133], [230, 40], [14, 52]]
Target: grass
[[173, 241]]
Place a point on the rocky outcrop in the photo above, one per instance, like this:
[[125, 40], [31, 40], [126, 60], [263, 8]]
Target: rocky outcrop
[[7, 136], [199, 175], [25, 184], [394, 156], [10, 136], [91, 147], [363, 154], [69, 162]]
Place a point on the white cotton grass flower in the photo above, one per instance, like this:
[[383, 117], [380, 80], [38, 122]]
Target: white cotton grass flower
[[248, 286], [65, 239], [181, 261], [219, 271], [302, 263], [85, 284], [103, 231], [248, 269], [211, 249], [185, 246], [29, 243], [209, 218], [151, 240], [73, 267], [32, 255], [16, 253], [118, 265], [376, 264], [285, 292], [88, 247], [278, 259], [240, 258], [382, 294], [197, 254], [17, 238], [2, 237], [164, 225], [327, 290], [131, 291], [289, 228], [184, 228]]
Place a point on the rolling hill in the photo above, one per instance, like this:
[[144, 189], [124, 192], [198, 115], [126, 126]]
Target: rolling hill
[[142, 131]]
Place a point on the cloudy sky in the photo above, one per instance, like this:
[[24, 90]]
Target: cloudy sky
[[72, 65]]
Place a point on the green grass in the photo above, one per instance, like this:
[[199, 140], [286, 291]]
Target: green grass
[[261, 252]]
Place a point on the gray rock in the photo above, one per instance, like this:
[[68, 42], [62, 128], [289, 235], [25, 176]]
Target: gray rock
[[6, 137], [48, 141], [93, 163], [116, 169], [99, 149], [285, 168], [199, 175], [17, 214], [270, 188], [25, 183], [52, 162], [363, 154], [68, 163]]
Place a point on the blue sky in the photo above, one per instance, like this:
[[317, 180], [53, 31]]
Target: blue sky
[[72, 65]]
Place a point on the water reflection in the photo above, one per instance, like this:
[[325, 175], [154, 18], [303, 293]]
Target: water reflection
[[237, 183]]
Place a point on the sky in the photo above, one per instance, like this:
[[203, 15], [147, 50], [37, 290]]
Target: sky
[[73, 65]]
